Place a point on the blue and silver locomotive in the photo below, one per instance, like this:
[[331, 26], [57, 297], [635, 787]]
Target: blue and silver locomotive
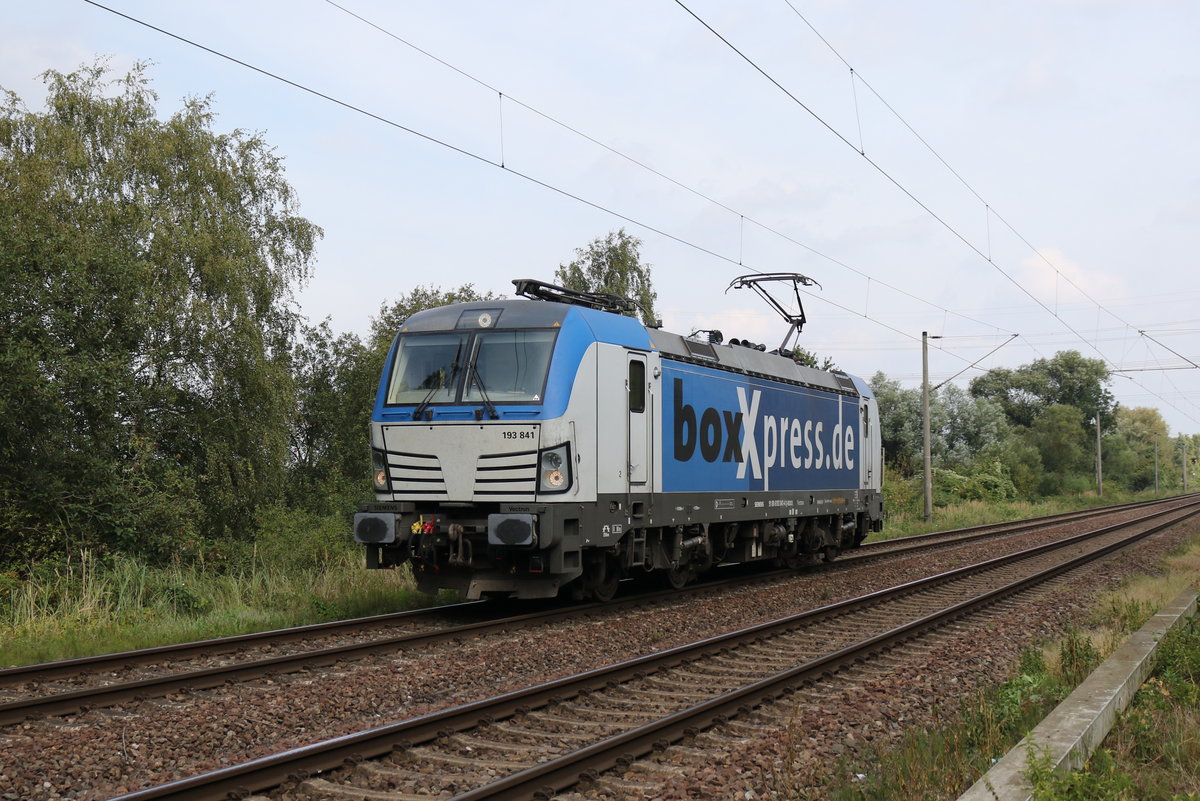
[[529, 446]]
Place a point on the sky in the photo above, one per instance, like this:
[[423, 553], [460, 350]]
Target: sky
[[972, 170]]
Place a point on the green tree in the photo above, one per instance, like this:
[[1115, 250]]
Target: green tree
[[146, 312], [961, 427], [612, 264], [335, 379], [1018, 458], [968, 426], [1066, 379], [1129, 449], [1184, 457], [1063, 444], [899, 423]]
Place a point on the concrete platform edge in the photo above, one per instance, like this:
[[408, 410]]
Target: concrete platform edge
[[1078, 725]]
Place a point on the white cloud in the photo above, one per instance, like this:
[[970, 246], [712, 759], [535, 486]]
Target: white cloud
[[1055, 279]]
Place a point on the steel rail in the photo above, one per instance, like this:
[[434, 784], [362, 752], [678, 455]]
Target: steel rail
[[547, 778], [1017, 526], [221, 645], [299, 763], [206, 678], [83, 699], [87, 698]]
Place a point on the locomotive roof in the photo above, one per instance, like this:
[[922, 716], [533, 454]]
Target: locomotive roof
[[621, 330], [754, 362], [506, 314]]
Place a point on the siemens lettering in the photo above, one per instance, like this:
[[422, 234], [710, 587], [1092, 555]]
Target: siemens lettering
[[761, 434]]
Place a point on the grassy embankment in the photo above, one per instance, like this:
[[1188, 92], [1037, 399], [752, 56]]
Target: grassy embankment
[[300, 571], [1154, 753]]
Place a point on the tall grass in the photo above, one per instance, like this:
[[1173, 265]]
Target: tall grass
[[301, 571]]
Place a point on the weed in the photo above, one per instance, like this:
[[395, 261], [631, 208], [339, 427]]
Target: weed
[[1103, 780], [1077, 657], [1123, 614]]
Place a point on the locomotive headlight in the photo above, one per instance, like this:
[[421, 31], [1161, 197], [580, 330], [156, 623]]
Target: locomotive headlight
[[554, 469], [379, 473]]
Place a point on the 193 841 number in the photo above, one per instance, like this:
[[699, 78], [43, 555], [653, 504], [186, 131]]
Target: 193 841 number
[[518, 434]]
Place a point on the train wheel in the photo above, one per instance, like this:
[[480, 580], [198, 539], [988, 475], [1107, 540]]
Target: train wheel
[[678, 577], [604, 577], [831, 552]]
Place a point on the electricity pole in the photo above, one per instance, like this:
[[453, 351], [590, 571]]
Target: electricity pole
[[1099, 468], [925, 425]]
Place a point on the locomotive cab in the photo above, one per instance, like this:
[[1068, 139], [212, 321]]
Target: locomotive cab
[[484, 442]]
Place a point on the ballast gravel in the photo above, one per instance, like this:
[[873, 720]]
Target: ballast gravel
[[103, 753]]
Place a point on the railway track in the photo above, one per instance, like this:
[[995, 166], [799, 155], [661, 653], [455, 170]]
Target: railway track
[[537, 741], [80, 684], [920, 542]]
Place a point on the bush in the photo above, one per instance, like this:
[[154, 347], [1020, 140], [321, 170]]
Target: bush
[[901, 495], [988, 482], [292, 539], [1179, 662]]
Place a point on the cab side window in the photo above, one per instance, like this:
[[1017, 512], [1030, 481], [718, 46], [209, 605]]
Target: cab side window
[[637, 386]]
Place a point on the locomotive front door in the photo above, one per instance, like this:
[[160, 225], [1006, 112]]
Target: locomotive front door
[[638, 438]]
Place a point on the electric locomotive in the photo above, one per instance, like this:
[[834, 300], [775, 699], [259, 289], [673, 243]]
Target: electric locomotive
[[550, 443]]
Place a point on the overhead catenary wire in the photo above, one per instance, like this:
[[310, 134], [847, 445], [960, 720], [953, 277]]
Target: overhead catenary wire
[[742, 217], [895, 182], [476, 156], [879, 168], [501, 165], [977, 361], [989, 211]]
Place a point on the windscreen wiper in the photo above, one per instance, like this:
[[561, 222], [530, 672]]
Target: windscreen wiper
[[489, 407], [417, 412]]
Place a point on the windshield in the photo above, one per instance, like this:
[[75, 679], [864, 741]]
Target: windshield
[[425, 368], [506, 366], [511, 366]]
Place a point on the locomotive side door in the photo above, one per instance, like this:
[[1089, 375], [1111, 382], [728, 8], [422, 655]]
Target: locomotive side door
[[867, 449], [638, 430]]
